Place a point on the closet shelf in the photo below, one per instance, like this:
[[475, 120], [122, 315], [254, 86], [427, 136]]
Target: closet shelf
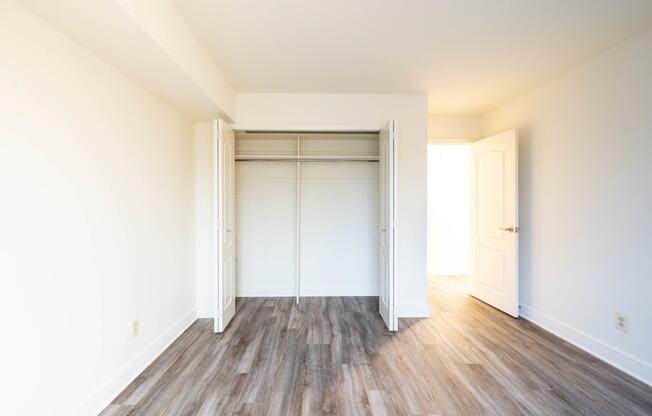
[[307, 158], [270, 157]]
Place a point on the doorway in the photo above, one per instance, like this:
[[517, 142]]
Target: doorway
[[448, 215], [448, 210], [473, 218]]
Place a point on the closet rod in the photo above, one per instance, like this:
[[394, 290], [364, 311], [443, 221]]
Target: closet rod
[[306, 157]]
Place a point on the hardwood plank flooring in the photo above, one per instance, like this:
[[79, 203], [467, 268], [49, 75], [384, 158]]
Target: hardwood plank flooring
[[332, 356]]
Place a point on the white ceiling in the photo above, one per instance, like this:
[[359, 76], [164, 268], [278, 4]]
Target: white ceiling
[[466, 55]]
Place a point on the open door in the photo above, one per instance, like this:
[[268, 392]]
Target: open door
[[494, 221], [224, 238], [387, 193]]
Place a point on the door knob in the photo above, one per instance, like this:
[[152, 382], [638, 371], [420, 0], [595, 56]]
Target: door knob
[[511, 229]]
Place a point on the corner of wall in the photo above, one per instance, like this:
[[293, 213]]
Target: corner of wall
[[625, 362], [102, 396]]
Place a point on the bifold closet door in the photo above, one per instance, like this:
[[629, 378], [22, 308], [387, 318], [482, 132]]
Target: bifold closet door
[[387, 201], [224, 236]]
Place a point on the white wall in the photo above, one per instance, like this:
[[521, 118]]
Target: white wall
[[266, 217], [445, 128], [204, 245], [96, 220], [585, 174], [339, 229], [375, 111], [168, 28], [448, 209], [150, 42]]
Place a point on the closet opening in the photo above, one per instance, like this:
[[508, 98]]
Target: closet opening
[[305, 214]]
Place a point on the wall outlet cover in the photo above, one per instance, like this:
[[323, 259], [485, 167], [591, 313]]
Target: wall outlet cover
[[621, 322], [135, 327]]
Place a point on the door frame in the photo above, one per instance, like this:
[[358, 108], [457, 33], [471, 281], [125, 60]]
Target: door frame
[[469, 143], [215, 255]]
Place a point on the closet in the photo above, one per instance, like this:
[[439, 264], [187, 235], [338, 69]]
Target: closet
[[304, 213]]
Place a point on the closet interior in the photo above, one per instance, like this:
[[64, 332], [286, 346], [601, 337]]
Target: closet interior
[[307, 213]]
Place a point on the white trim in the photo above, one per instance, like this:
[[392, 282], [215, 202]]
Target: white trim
[[306, 127], [622, 360], [394, 144], [216, 186], [298, 223], [343, 293], [102, 396], [271, 293], [289, 293], [413, 311]]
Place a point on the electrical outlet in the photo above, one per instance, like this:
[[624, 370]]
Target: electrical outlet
[[135, 327], [621, 322]]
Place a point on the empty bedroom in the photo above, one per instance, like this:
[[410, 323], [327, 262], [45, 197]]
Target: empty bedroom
[[432, 207]]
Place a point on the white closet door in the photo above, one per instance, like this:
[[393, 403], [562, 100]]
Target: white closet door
[[387, 266], [494, 221], [224, 173]]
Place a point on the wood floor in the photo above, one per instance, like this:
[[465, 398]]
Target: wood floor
[[333, 356]]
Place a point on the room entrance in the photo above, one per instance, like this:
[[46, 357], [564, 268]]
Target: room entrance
[[473, 217]]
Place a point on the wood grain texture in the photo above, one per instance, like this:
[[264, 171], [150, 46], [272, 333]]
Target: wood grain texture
[[332, 356]]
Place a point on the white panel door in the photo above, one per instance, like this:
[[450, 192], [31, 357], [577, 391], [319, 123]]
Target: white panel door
[[224, 174], [387, 211], [494, 221]]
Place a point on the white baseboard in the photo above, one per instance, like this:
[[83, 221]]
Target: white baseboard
[[283, 293], [413, 311], [205, 313], [622, 360], [265, 293], [341, 292], [102, 396]]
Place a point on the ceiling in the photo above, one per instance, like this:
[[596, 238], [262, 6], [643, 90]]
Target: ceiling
[[466, 55]]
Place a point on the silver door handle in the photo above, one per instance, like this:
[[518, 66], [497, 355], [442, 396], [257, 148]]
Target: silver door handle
[[511, 229]]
